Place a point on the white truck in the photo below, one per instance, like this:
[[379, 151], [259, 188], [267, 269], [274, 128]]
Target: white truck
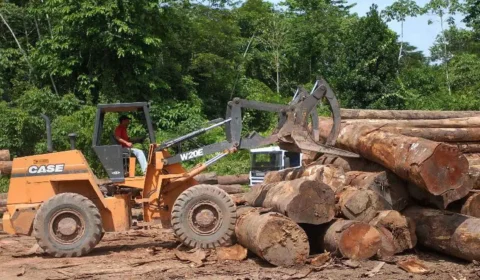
[[271, 159]]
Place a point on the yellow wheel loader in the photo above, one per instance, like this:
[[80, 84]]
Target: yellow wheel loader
[[58, 199]]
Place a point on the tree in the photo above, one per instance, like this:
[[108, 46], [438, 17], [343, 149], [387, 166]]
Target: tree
[[443, 8], [399, 11], [371, 60], [273, 39]]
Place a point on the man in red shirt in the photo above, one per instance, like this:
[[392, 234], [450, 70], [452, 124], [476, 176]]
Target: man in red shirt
[[122, 137]]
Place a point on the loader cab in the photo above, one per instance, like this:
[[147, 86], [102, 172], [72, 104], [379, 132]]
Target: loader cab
[[268, 159], [115, 159]]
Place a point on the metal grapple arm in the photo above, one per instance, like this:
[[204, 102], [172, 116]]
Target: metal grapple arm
[[292, 132]]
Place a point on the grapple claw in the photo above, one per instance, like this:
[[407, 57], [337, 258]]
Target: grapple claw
[[295, 135]]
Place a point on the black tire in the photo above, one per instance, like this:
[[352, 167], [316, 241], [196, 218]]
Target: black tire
[[67, 212], [197, 201]]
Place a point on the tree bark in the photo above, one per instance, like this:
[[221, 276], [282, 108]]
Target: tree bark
[[207, 178], [473, 159], [3, 202], [232, 189], [474, 172], [468, 147], [468, 122], [387, 248], [350, 164], [360, 204], [242, 179], [439, 134], [386, 184], [450, 233], [404, 114], [401, 228], [4, 155], [351, 239], [273, 237], [5, 167], [435, 167], [471, 207], [327, 174], [303, 200], [238, 198]]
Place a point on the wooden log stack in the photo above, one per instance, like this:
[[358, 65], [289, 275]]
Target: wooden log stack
[[414, 184], [5, 163]]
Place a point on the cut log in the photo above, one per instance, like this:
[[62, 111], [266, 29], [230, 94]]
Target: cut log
[[401, 228], [352, 239], [473, 159], [304, 200], [405, 114], [207, 178], [3, 210], [273, 237], [471, 207], [231, 189], [281, 175], [439, 134], [435, 167], [360, 204], [238, 198], [5, 155], [449, 233], [386, 184], [5, 167], [327, 174], [350, 164], [474, 172], [242, 179], [425, 198], [387, 248], [468, 122], [3, 202], [468, 147]]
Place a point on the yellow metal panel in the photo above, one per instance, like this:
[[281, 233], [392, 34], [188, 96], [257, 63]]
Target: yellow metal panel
[[131, 167], [36, 178], [19, 218], [7, 225], [117, 216]]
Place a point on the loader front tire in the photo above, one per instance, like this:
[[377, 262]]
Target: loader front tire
[[67, 225], [204, 216]]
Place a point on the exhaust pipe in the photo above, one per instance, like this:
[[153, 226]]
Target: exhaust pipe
[[49, 133]]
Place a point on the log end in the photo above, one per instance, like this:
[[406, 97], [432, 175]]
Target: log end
[[285, 242], [446, 169], [472, 206], [360, 241]]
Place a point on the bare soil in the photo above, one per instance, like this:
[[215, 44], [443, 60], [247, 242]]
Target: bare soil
[[149, 253]]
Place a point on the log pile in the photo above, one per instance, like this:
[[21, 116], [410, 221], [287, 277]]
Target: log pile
[[414, 184], [232, 184], [5, 163]]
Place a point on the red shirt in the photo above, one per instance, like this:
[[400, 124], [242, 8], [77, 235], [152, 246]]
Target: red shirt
[[121, 131]]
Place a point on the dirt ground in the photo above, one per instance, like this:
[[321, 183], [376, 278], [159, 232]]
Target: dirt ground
[[150, 254]]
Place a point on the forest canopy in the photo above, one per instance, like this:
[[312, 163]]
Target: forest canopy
[[63, 57]]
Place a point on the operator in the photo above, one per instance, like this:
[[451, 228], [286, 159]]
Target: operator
[[122, 137]]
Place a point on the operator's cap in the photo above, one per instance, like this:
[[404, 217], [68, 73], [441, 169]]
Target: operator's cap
[[123, 117]]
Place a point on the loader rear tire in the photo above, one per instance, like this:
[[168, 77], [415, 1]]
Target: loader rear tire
[[204, 216], [67, 225]]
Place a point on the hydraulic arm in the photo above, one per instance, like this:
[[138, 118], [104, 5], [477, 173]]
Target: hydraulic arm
[[292, 132]]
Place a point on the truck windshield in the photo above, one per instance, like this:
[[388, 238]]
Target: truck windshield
[[266, 161]]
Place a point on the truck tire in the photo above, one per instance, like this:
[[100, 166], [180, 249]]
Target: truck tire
[[204, 216], [67, 225]]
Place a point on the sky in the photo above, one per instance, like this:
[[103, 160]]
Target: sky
[[416, 30]]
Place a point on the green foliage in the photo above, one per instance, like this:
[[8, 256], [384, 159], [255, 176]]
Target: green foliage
[[188, 59]]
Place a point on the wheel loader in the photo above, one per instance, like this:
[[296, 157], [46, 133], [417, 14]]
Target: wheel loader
[[58, 199]]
